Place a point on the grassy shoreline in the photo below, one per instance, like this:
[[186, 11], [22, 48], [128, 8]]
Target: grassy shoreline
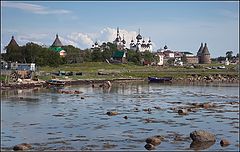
[[129, 71], [112, 71]]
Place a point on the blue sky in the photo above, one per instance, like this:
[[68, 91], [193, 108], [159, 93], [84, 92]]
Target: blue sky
[[182, 26]]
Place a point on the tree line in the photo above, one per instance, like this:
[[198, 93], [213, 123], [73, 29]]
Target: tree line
[[42, 56]]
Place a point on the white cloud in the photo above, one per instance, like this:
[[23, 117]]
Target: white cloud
[[109, 34], [86, 40], [79, 39], [37, 9], [35, 38], [66, 41]]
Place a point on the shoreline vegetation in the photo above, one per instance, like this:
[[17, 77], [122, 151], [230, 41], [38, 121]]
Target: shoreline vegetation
[[98, 72]]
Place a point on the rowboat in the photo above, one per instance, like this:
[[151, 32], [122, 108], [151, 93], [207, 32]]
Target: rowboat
[[161, 80], [55, 82]]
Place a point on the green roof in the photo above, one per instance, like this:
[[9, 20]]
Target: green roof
[[118, 54], [56, 49]]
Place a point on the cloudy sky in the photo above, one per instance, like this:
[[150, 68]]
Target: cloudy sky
[[181, 26]]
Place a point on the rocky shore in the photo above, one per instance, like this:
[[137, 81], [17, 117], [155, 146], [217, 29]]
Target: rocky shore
[[191, 79], [214, 78]]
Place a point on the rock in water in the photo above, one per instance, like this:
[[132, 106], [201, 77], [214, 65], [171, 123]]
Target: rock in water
[[183, 112], [201, 145], [112, 113], [155, 140], [202, 136], [149, 146], [224, 142], [23, 146]]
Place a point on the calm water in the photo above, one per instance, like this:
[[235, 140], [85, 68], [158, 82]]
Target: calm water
[[52, 121]]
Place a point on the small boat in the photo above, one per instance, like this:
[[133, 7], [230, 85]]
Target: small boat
[[55, 82], [163, 79]]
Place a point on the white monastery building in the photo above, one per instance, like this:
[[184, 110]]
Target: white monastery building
[[140, 44]]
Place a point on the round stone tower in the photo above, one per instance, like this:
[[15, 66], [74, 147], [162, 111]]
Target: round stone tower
[[199, 53], [205, 55]]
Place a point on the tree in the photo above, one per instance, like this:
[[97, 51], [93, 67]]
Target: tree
[[112, 47], [74, 55], [170, 61], [134, 56], [97, 55], [148, 56], [156, 58], [221, 58], [107, 54], [87, 55], [30, 51], [229, 54], [13, 53]]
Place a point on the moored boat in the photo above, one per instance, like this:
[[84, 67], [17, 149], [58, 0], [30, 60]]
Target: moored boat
[[162, 79], [55, 82]]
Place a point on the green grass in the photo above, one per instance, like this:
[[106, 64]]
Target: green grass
[[90, 70], [2, 78]]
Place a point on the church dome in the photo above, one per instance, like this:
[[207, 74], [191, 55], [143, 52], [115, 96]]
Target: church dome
[[139, 37], [165, 47], [123, 41], [118, 39]]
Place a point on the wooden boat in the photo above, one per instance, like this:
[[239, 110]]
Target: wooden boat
[[163, 79], [55, 82]]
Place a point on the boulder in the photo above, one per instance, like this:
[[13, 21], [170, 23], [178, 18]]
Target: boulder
[[112, 113], [23, 146], [148, 109], [155, 140], [136, 109], [149, 146], [158, 108], [183, 112], [224, 142], [196, 105], [202, 136], [207, 105]]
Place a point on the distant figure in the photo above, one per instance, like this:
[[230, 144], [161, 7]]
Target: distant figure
[[106, 84]]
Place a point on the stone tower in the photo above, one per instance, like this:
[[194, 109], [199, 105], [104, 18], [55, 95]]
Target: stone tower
[[199, 53], [205, 55], [13, 43], [57, 47], [57, 42]]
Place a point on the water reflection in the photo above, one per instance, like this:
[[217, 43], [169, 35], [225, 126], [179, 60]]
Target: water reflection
[[201, 145]]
